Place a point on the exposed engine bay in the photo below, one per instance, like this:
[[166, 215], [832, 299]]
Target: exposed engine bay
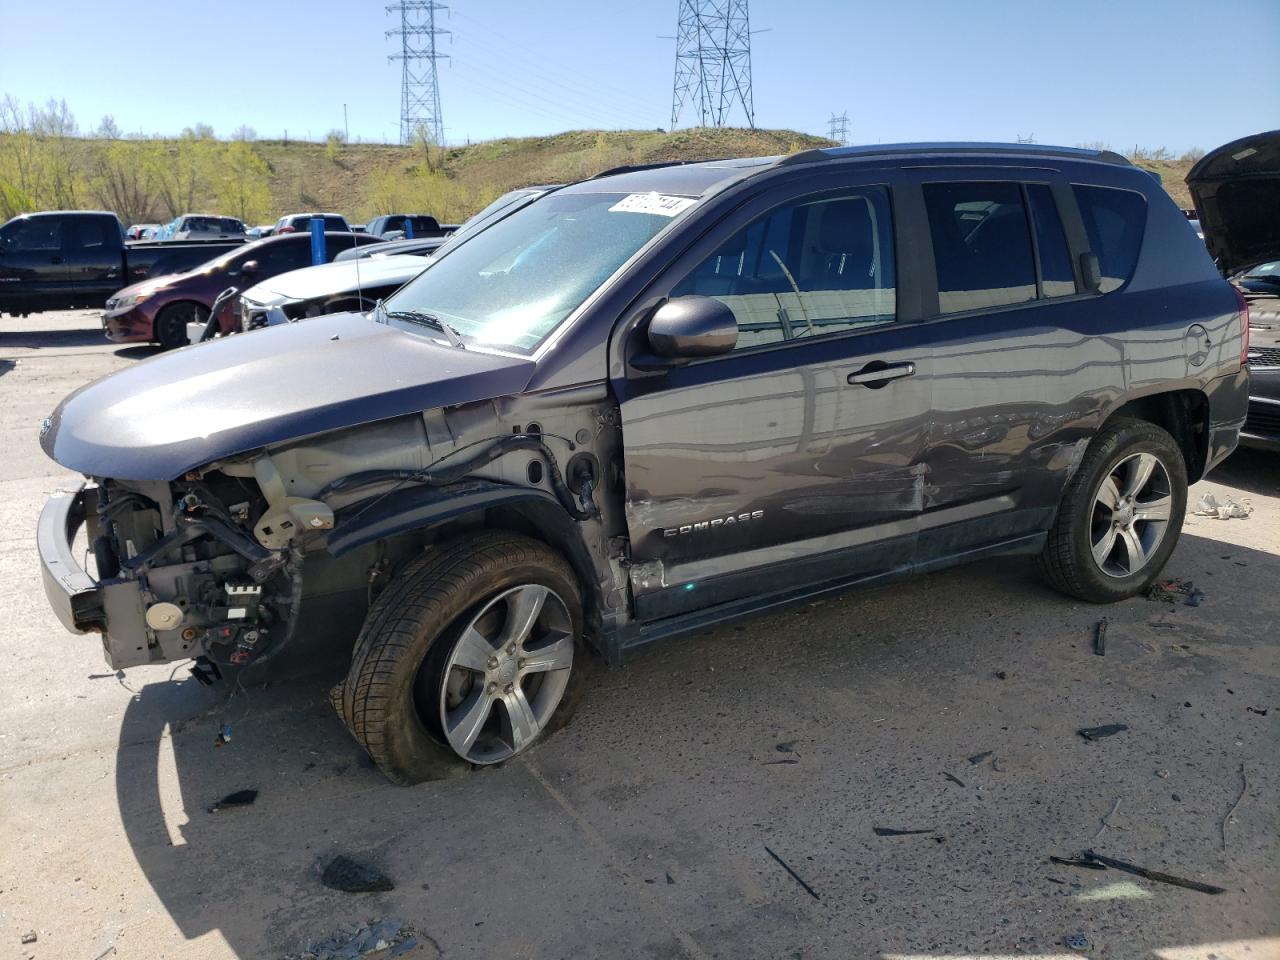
[[210, 566]]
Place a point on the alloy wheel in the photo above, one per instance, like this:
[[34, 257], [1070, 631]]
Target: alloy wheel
[[506, 674], [1131, 511]]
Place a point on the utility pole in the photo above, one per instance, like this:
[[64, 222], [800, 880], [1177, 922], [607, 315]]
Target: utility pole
[[838, 128], [419, 91], [713, 61], [346, 127]]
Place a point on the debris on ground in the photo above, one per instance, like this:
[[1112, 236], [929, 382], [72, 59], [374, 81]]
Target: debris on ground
[[1260, 711], [1171, 591], [379, 938], [787, 746], [774, 763], [224, 735], [1225, 509], [349, 876], [891, 832], [1076, 862], [1076, 941], [241, 798], [1106, 730], [29, 937], [794, 876], [979, 757], [1244, 786], [1100, 638], [953, 778], [1106, 821], [1155, 875]]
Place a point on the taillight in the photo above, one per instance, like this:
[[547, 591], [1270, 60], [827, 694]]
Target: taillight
[[1244, 324], [286, 230]]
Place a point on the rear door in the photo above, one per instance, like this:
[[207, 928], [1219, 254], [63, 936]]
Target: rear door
[[1019, 370], [92, 249], [796, 459]]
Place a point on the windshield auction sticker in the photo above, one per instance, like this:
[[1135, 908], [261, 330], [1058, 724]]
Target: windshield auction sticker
[[653, 203]]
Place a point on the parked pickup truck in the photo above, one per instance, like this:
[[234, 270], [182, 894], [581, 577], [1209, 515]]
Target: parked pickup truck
[[77, 258]]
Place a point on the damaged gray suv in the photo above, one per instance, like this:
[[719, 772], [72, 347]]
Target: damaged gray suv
[[651, 402]]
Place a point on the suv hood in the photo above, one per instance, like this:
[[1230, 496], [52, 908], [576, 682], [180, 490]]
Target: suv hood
[[164, 416], [329, 279], [1236, 190]]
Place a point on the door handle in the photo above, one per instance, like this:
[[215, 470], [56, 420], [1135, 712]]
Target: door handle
[[877, 373]]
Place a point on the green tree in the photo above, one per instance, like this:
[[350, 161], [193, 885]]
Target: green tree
[[242, 183]]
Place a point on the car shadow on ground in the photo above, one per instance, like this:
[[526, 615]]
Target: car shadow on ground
[[646, 820], [89, 336]]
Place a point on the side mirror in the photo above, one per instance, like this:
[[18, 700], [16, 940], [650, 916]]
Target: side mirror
[[1090, 272], [249, 266], [689, 327]]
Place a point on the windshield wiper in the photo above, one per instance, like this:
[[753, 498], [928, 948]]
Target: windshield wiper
[[430, 320]]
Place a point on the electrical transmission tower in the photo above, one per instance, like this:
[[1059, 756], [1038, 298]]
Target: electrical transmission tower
[[838, 129], [419, 92], [713, 61]]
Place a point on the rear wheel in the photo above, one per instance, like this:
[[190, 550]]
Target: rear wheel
[[470, 656], [1121, 515], [171, 323]]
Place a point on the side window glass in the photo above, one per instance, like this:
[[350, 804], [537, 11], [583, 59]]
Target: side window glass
[[1057, 279], [1115, 221], [90, 234], [38, 234], [805, 269], [981, 245]]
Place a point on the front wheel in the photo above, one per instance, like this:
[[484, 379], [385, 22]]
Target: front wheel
[[171, 323], [1121, 515], [473, 654]]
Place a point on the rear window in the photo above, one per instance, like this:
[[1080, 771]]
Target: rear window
[[981, 245], [1114, 221]]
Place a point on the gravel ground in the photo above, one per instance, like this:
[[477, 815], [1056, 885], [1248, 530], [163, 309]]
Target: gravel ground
[[645, 828]]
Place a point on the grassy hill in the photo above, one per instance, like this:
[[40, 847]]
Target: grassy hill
[[362, 180], [353, 179]]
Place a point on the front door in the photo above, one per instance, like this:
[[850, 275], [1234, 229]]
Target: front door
[[797, 459], [33, 269]]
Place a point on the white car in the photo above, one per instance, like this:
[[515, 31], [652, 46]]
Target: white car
[[203, 226]]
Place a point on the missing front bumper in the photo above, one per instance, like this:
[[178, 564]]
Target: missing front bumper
[[112, 607]]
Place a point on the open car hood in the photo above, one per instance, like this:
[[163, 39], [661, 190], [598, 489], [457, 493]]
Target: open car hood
[[1236, 190], [164, 416]]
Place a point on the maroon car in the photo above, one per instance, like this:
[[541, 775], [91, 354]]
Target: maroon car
[[158, 310]]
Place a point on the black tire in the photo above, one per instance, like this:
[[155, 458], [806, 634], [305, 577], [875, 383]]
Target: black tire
[[1067, 562], [410, 632], [171, 323]]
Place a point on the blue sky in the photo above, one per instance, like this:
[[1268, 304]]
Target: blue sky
[[1175, 73]]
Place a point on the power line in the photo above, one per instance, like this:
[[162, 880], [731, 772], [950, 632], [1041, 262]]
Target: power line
[[838, 128], [713, 61], [419, 91]]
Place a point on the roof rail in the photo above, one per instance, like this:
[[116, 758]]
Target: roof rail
[[633, 167], [821, 154]]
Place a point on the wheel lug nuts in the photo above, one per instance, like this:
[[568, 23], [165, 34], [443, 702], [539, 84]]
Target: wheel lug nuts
[[508, 688], [493, 662], [491, 688]]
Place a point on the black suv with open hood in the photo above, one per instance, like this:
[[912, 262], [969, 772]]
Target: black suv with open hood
[[651, 402], [1236, 189]]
